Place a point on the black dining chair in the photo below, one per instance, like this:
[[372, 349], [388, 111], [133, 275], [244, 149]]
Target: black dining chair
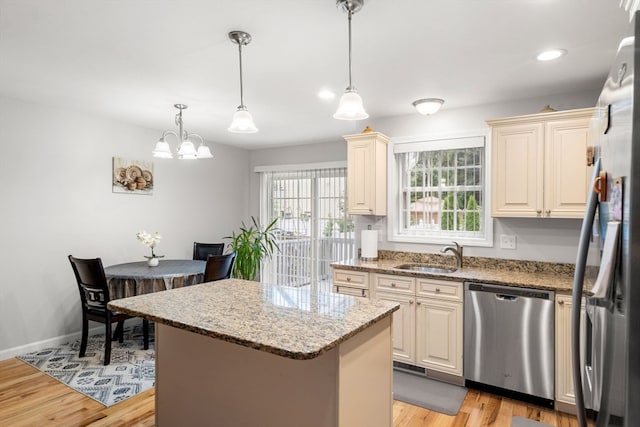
[[219, 267], [94, 296], [202, 250]]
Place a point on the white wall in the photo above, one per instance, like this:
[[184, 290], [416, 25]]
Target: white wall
[[552, 240], [55, 175]]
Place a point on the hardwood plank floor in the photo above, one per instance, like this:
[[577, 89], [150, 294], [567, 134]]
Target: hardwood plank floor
[[31, 398]]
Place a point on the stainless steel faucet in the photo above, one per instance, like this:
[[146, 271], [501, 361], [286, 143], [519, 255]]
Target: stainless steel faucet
[[457, 251]]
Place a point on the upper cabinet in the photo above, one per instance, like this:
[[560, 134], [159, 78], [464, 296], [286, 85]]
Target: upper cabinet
[[539, 166], [367, 173]]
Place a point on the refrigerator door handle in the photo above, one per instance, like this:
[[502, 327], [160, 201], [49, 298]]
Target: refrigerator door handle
[[578, 279]]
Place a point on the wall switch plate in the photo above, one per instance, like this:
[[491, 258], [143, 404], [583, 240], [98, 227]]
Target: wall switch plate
[[507, 241]]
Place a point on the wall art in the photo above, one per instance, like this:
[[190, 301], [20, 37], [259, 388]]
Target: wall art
[[132, 176]]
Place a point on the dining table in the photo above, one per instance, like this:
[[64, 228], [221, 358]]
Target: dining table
[[136, 278]]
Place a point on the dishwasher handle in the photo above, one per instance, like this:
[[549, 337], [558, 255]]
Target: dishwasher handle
[[510, 293], [503, 297]]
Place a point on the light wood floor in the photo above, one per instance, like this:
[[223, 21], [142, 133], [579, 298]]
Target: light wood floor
[[31, 398]]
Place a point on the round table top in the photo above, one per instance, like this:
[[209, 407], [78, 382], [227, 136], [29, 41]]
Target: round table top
[[166, 268]]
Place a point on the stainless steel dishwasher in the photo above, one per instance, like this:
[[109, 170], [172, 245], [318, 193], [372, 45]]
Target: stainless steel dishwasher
[[509, 338]]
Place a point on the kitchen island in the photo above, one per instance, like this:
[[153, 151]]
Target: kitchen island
[[242, 353]]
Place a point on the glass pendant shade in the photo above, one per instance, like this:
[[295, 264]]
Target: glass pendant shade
[[242, 122], [350, 107], [428, 106], [187, 150], [204, 152], [162, 150]]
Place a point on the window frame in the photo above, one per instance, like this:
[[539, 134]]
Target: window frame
[[394, 181]]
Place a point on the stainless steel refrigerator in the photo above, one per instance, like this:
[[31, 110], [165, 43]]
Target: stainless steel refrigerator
[[607, 371]]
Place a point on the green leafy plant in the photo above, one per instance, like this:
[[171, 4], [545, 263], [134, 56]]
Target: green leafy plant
[[251, 245], [472, 219]]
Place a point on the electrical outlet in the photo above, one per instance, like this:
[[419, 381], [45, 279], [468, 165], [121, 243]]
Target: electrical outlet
[[507, 241]]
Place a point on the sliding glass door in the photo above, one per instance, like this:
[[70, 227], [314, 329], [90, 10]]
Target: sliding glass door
[[313, 227]]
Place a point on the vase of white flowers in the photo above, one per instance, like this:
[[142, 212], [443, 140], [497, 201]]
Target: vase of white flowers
[[150, 240]]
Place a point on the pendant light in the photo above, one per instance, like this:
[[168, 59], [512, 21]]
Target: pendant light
[[186, 149], [350, 106], [242, 121]]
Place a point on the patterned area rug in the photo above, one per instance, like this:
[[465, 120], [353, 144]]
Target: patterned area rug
[[131, 371]]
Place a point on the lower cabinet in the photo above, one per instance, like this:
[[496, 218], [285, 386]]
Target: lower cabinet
[[403, 326], [439, 335], [428, 328], [565, 392]]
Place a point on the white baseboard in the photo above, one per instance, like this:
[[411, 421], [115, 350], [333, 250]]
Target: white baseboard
[[49, 342]]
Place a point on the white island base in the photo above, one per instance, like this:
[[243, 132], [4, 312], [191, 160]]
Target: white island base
[[203, 381]]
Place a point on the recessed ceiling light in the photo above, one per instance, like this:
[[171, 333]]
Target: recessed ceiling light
[[326, 94], [551, 54]]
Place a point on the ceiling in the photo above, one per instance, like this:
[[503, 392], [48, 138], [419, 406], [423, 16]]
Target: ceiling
[[131, 60]]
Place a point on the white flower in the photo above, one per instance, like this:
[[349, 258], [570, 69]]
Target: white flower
[[150, 240]]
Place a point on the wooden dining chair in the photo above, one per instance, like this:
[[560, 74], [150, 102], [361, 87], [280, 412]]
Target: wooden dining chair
[[219, 267], [202, 250], [94, 296]]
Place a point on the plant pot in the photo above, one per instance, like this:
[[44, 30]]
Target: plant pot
[[153, 262]]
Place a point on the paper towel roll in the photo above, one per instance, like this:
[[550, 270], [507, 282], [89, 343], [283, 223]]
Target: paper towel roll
[[369, 245]]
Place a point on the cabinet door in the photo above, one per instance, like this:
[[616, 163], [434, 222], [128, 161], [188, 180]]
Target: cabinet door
[[403, 326], [359, 183], [439, 335], [517, 170], [566, 174], [565, 392]]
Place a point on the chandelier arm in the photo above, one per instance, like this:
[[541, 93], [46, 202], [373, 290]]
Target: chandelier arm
[[196, 135], [170, 132]]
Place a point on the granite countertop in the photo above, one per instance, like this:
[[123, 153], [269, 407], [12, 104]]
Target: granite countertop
[[527, 274], [290, 322]]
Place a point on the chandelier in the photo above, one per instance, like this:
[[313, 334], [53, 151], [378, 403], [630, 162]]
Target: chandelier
[[186, 149]]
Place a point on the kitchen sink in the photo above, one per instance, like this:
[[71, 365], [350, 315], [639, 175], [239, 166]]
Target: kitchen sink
[[422, 268]]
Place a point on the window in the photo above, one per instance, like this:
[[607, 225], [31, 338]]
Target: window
[[441, 191], [313, 226]]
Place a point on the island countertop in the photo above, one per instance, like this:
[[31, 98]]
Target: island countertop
[[291, 322]]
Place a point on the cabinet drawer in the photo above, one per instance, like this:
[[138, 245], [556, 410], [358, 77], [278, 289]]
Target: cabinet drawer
[[441, 289], [396, 284], [353, 279], [346, 290]]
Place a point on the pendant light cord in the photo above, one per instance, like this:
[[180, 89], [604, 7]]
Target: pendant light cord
[[241, 89], [350, 88]]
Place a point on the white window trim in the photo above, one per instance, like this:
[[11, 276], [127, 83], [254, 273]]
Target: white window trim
[[393, 200]]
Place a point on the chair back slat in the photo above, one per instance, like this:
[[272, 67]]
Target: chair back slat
[[202, 250], [92, 283], [219, 267]]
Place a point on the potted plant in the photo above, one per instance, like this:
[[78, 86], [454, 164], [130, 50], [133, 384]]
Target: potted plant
[[251, 245]]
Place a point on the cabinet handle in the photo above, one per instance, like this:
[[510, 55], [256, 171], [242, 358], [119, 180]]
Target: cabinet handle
[[417, 303], [548, 212], [437, 290], [560, 302], [539, 212], [411, 302], [393, 285], [363, 293], [348, 279]]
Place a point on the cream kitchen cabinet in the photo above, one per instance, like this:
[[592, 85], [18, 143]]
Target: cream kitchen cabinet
[[539, 164], [427, 330], [439, 325], [565, 392], [350, 282], [367, 173]]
